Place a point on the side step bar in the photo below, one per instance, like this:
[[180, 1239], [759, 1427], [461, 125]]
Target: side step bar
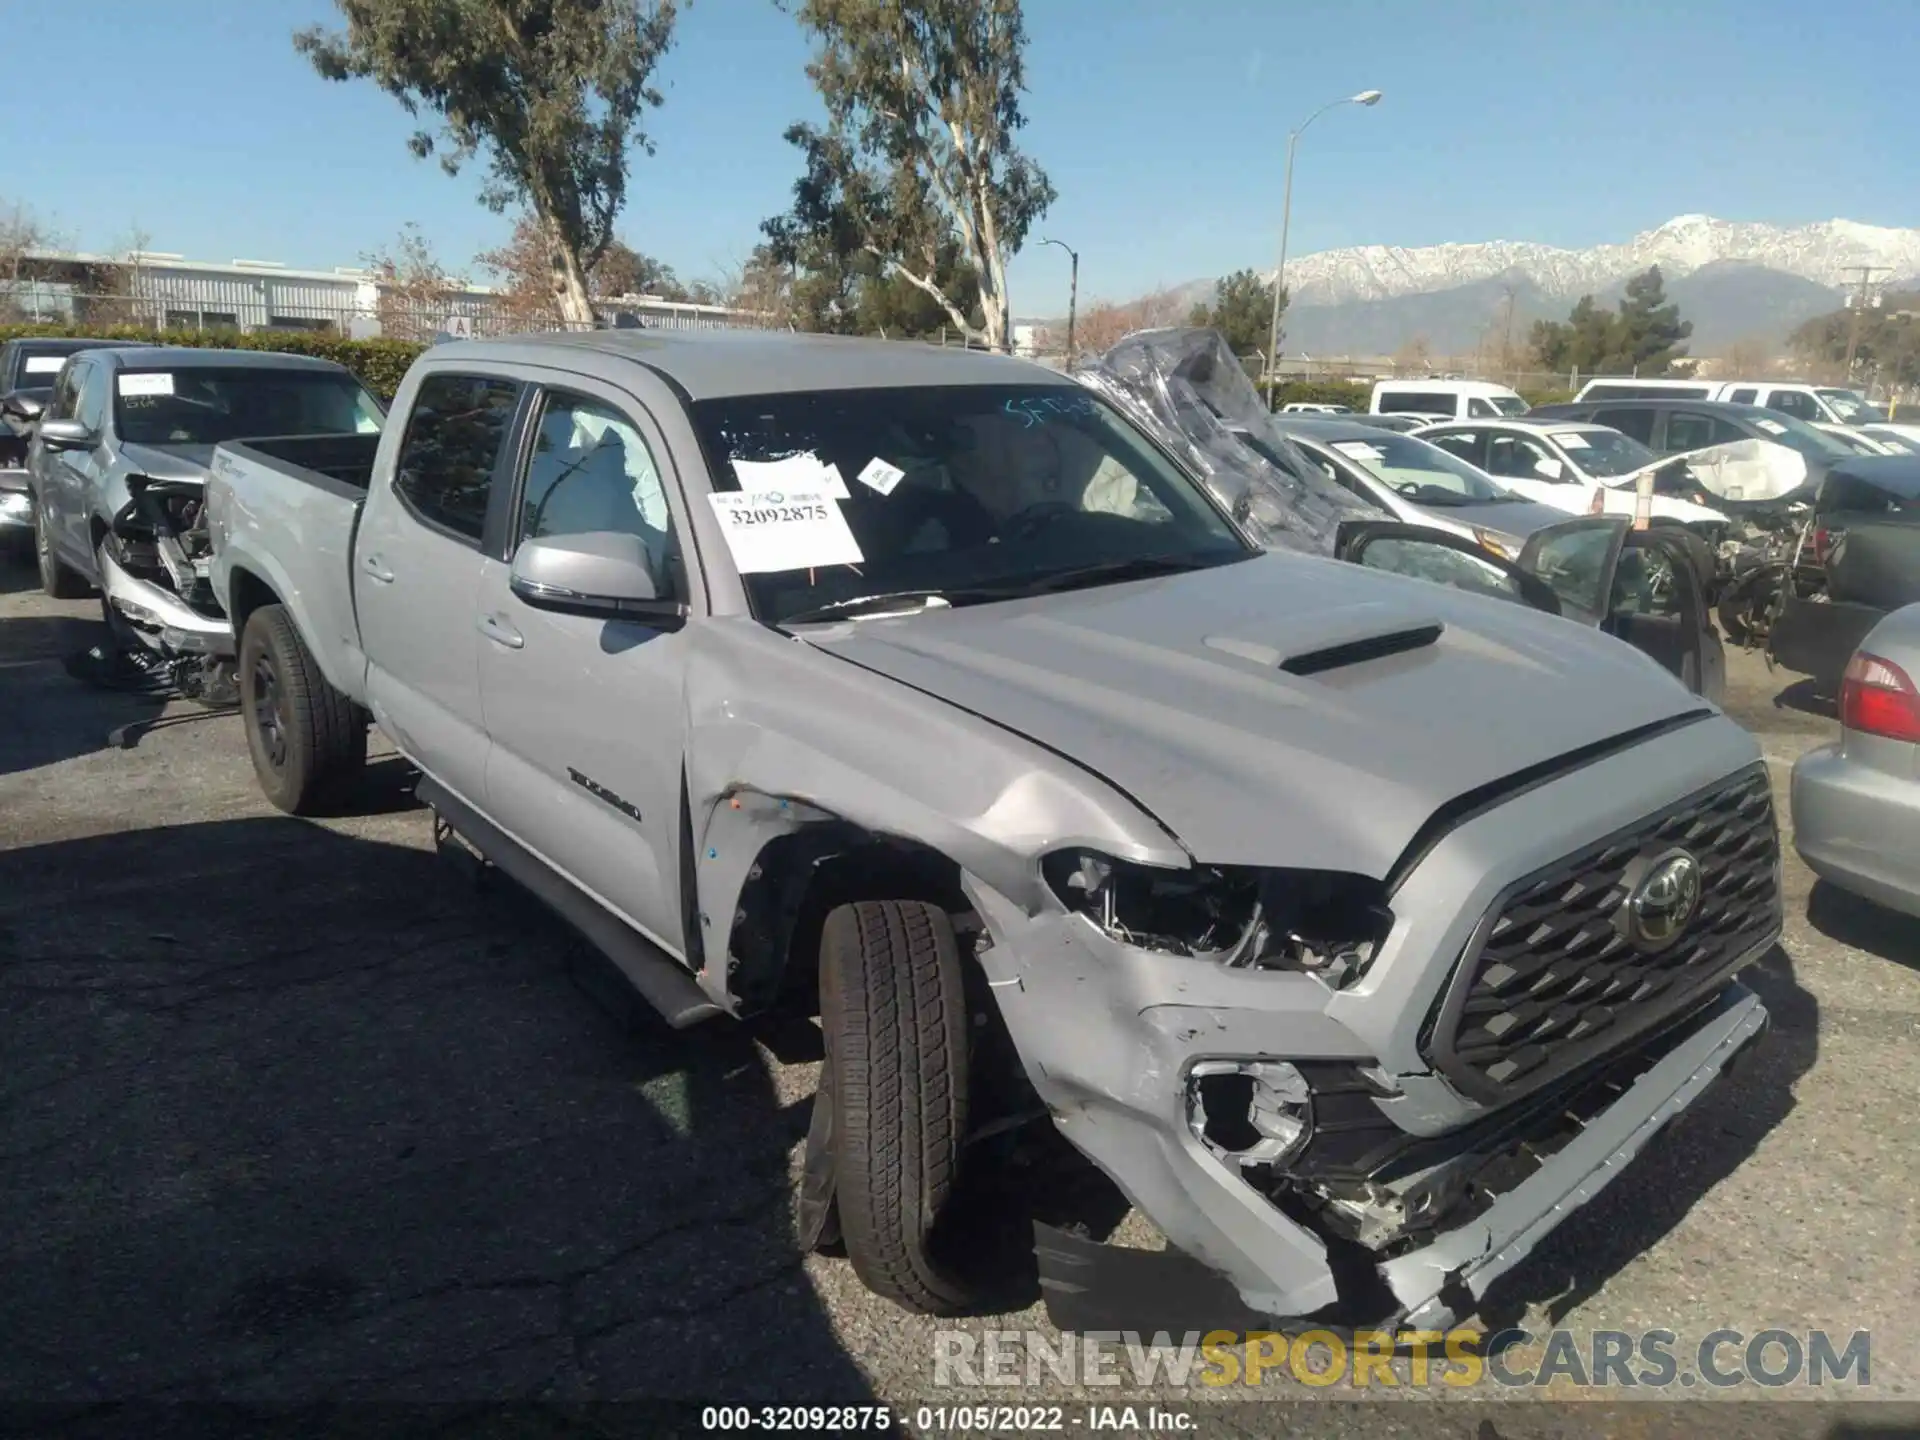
[[661, 980]]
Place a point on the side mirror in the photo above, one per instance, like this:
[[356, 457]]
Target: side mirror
[[66, 435], [1549, 468], [603, 574], [22, 403]]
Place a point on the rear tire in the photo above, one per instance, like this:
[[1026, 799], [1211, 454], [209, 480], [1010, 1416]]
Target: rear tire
[[893, 1012], [56, 579], [308, 740]]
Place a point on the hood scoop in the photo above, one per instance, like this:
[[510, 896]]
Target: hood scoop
[[1334, 639]]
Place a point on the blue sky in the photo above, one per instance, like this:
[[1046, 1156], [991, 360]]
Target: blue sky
[[1163, 131]]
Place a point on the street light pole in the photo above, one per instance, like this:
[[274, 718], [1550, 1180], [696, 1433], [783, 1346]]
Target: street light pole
[[1365, 97], [1073, 291]]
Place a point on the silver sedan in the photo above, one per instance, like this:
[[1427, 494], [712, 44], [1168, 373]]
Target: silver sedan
[[1856, 802]]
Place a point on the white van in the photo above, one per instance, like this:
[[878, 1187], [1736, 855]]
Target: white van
[[1444, 399]]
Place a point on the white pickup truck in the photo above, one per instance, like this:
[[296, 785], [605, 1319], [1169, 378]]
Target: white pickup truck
[[1358, 927]]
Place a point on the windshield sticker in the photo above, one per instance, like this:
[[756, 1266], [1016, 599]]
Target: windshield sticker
[[1032, 409], [1772, 427], [1570, 439], [795, 472], [148, 384], [772, 530], [880, 475], [43, 364], [1359, 450]]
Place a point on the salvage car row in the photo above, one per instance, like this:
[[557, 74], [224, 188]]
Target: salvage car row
[[1358, 927]]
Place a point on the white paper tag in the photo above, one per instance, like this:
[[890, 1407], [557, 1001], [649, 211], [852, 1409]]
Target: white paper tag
[[796, 472], [152, 383], [1570, 439], [43, 364], [1772, 427], [1357, 449], [769, 530], [881, 475]]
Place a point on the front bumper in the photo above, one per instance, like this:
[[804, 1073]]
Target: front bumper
[[162, 616], [1109, 1035], [1858, 827], [16, 500]]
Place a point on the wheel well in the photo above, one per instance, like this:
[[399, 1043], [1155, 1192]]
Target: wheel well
[[248, 593], [796, 880]]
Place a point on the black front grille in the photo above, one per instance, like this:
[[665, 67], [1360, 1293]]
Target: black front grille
[[1551, 979]]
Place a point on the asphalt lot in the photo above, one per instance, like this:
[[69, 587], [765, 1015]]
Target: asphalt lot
[[296, 1111]]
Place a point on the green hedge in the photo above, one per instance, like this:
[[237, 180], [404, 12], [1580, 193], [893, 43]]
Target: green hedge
[[378, 363], [1350, 393]]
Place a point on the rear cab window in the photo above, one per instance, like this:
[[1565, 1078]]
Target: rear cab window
[[1633, 420], [456, 432]]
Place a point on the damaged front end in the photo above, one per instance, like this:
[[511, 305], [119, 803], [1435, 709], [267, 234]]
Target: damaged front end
[[155, 591]]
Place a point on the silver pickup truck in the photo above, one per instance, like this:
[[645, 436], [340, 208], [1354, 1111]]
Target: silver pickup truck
[[1358, 927]]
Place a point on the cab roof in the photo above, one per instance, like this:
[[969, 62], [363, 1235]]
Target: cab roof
[[716, 364]]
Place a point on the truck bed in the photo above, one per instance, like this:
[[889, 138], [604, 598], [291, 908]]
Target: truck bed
[[283, 513], [345, 459]]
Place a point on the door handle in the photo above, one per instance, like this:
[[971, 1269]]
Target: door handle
[[375, 569], [500, 632]]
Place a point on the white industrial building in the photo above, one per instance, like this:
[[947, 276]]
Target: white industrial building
[[161, 289]]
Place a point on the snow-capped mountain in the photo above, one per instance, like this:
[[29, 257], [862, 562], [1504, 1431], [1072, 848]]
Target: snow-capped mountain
[[1824, 253]]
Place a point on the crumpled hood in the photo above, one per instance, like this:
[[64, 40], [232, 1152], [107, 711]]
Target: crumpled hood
[[1172, 690]]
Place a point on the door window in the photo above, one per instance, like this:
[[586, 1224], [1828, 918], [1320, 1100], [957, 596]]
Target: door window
[[90, 407], [1577, 563], [451, 449], [1692, 430], [1480, 409], [66, 392], [1796, 403], [1469, 445], [1521, 459], [1743, 396], [592, 471], [1628, 420]]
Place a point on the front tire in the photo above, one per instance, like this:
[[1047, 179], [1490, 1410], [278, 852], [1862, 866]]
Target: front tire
[[308, 740], [56, 579], [893, 1013]]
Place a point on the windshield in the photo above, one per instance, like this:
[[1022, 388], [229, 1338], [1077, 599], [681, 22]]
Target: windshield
[[1799, 435], [1851, 408], [1604, 453], [204, 406], [1509, 404], [1000, 490], [1422, 473]]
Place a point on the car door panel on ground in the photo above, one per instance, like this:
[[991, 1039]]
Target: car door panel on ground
[[598, 802], [418, 572]]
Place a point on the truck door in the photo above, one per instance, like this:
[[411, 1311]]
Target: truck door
[[1640, 586], [417, 574], [585, 714]]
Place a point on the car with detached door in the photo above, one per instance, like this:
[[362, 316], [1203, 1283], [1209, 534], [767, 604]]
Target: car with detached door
[[119, 464], [1566, 464], [1360, 929]]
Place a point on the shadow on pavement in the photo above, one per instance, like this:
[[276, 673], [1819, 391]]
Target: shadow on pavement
[[50, 715], [1707, 1143], [1864, 925], [1805, 697], [293, 1116]]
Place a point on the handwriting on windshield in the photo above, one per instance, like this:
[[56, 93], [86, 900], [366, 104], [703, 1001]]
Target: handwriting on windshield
[[1034, 409]]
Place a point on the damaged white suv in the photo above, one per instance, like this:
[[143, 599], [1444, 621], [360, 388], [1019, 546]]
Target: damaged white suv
[[1357, 926]]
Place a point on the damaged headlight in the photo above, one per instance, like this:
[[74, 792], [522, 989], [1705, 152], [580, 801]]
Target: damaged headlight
[[1328, 923]]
